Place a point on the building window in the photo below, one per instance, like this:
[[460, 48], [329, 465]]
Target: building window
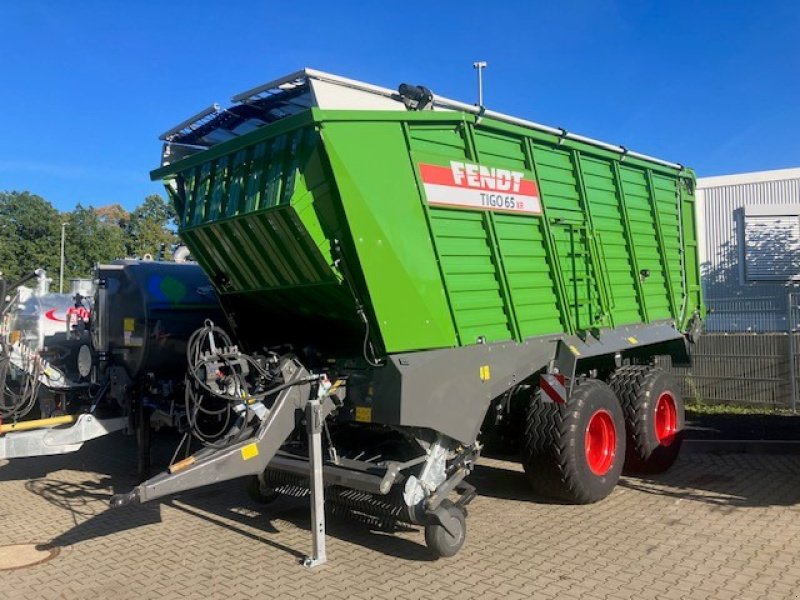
[[772, 243]]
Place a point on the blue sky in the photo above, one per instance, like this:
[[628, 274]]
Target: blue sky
[[88, 86]]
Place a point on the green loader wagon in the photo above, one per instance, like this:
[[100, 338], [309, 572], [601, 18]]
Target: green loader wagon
[[409, 277]]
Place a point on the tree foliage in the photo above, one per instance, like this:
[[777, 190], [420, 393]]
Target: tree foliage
[[90, 240], [30, 234], [148, 227]]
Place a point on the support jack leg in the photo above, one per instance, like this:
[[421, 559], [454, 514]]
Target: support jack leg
[[314, 418]]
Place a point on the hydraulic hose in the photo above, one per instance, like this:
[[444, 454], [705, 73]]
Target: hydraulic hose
[[203, 349]]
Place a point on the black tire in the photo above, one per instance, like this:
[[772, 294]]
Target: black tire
[[554, 452], [440, 541], [652, 446], [258, 493]]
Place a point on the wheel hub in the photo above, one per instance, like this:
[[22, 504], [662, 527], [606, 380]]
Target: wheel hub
[[666, 421], [600, 442]]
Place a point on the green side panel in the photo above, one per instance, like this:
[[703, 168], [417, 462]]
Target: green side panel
[[470, 273], [389, 231], [609, 228], [467, 243], [667, 197], [262, 214], [645, 238], [531, 282], [560, 194]]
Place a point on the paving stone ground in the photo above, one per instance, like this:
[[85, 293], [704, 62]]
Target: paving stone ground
[[721, 527]]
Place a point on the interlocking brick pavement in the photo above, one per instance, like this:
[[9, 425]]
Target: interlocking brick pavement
[[714, 527]]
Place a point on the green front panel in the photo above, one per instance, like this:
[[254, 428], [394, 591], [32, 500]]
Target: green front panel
[[257, 220], [388, 229]]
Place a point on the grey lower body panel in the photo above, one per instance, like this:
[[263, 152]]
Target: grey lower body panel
[[450, 390]]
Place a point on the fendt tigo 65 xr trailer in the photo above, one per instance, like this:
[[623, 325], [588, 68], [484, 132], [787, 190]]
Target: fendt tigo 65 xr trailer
[[399, 272]]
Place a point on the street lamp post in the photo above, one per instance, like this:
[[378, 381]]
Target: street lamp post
[[480, 66], [61, 271]]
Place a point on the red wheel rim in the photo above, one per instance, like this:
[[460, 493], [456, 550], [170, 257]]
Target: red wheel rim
[[601, 442], [666, 419]]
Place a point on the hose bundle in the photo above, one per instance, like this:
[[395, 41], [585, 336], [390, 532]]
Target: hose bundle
[[241, 382], [17, 398]]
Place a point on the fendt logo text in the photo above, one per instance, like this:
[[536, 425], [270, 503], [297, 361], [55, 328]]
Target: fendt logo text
[[485, 178], [480, 187]]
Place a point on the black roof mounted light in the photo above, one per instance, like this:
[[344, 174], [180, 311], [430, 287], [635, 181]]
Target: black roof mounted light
[[415, 97]]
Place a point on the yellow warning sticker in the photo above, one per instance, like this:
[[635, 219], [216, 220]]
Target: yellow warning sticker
[[364, 414], [574, 350], [633, 340], [485, 373], [249, 451], [129, 324]]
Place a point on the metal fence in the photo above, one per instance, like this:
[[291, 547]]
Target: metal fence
[[749, 355], [751, 369], [755, 314]]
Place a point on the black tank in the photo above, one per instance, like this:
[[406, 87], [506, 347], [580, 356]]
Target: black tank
[[145, 311]]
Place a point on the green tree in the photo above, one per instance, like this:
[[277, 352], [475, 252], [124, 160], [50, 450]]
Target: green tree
[[29, 234], [149, 227], [91, 239], [113, 214]]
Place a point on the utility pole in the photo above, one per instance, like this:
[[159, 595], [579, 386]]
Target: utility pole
[[61, 272], [480, 66]]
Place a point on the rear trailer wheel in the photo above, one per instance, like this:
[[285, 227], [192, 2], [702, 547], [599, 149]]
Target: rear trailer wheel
[[574, 451], [654, 417], [443, 541]]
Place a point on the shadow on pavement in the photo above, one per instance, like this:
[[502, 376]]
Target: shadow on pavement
[[726, 481], [732, 480], [729, 482], [225, 504], [296, 512]]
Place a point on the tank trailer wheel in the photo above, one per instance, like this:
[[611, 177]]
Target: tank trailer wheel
[[654, 417], [446, 542], [258, 493], [574, 452]]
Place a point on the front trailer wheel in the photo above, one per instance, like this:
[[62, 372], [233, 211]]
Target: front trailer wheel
[[574, 452], [443, 541], [259, 493], [654, 417]]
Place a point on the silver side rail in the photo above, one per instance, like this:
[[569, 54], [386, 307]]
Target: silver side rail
[[59, 440]]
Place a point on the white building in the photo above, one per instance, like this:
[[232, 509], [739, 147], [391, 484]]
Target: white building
[[749, 238]]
